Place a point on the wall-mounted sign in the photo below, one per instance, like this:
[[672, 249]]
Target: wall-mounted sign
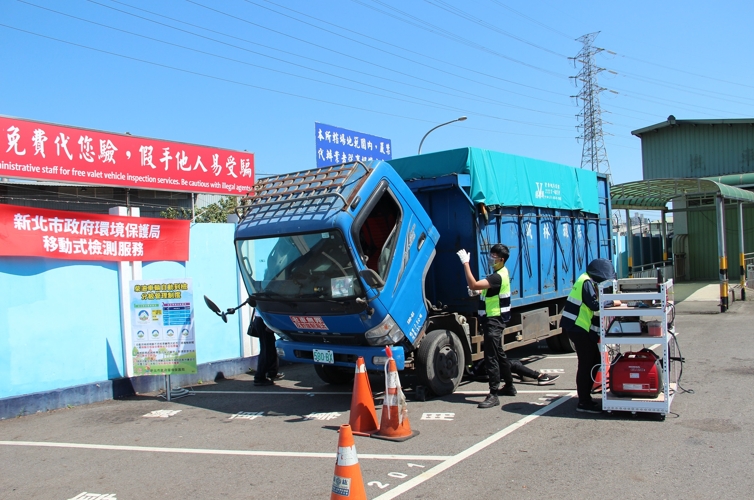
[[337, 145], [59, 234], [44, 151], [162, 327]]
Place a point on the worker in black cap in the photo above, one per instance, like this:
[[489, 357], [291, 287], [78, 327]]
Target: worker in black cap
[[581, 324]]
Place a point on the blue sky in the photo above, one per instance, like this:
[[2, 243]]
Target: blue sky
[[256, 75]]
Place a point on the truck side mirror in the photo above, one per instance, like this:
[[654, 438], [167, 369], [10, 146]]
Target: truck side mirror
[[372, 279], [214, 308], [211, 305]]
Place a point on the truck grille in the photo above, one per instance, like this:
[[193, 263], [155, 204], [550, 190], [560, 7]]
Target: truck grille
[[314, 338]]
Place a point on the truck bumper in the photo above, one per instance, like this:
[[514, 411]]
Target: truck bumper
[[374, 357]]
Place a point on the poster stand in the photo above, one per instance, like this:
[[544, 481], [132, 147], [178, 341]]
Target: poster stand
[[174, 392]]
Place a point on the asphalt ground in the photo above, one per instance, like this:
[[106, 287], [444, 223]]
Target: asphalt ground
[[233, 440]]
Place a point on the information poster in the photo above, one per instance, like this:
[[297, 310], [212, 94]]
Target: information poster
[[162, 327]]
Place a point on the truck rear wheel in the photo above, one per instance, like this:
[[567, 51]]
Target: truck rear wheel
[[554, 343], [440, 361], [334, 375], [565, 343]]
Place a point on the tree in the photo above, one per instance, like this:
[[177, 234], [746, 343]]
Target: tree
[[216, 212]]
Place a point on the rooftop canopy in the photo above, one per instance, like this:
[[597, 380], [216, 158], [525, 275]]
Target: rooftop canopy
[[654, 194], [672, 122]]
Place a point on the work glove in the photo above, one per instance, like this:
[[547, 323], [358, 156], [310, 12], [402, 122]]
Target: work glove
[[472, 293], [464, 256]]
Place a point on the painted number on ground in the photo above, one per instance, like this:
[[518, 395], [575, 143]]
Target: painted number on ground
[[322, 416], [94, 496], [159, 414], [378, 484], [246, 415], [448, 417], [549, 398]]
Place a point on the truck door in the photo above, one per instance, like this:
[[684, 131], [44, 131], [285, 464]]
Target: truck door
[[396, 239]]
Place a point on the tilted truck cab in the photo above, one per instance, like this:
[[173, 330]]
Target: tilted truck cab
[[344, 260], [336, 258]]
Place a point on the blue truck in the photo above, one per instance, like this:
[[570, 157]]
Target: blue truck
[[344, 260]]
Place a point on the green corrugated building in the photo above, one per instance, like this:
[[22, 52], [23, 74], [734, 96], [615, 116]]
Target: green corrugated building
[[719, 150]]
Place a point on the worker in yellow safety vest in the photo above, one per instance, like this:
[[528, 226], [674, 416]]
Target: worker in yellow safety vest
[[580, 321], [495, 289]]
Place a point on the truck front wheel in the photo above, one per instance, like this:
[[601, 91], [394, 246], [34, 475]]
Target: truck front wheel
[[334, 375], [440, 361]]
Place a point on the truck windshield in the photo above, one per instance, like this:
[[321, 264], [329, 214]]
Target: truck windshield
[[316, 266]]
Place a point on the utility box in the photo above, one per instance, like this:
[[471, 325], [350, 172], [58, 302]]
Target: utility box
[[749, 273]]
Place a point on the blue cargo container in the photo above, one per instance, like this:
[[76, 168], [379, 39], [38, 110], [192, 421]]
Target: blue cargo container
[[344, 260], [552, 234]]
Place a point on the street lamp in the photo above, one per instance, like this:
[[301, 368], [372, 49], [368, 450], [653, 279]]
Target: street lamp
[[440, 125]]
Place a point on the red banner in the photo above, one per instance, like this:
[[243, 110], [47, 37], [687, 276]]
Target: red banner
[[43, 151], [57, 234]]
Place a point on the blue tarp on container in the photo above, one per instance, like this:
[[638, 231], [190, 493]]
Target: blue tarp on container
[[501, 179]]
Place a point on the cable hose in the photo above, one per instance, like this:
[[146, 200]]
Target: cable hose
[[680, 360]]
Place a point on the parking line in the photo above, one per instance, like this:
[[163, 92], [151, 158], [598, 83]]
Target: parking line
[[450, 462], [293, 392], [199, 451], [518, 391]]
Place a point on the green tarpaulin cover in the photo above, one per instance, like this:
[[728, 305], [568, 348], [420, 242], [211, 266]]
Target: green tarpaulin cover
[[501, 179]]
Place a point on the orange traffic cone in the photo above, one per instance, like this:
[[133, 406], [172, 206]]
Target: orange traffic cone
[[394, 425], [363, 418], [347, 481], [597, 387]]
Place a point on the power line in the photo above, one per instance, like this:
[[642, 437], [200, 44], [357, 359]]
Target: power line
[[481, 22], [227, 80], [475, 97], [341, 29], [665, 66], [423, 101], [213, 77], [685, 88], [443, 61], [501, 4], [431, 28]]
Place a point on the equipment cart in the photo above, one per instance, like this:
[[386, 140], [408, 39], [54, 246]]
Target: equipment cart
[[645, 318]]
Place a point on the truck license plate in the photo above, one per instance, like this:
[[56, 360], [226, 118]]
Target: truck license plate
[[322, 356]]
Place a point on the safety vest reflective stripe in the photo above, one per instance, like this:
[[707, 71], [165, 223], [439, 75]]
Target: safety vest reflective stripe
[[499, 304], [569, 315], [575, 309]]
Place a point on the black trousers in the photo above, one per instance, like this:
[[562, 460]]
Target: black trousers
[[267, 361], [494, 355], [588, 354], [519, 368]]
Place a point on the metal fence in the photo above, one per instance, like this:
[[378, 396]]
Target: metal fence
[[650, 270]]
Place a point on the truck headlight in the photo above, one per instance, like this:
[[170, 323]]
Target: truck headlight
[[385, 333]]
